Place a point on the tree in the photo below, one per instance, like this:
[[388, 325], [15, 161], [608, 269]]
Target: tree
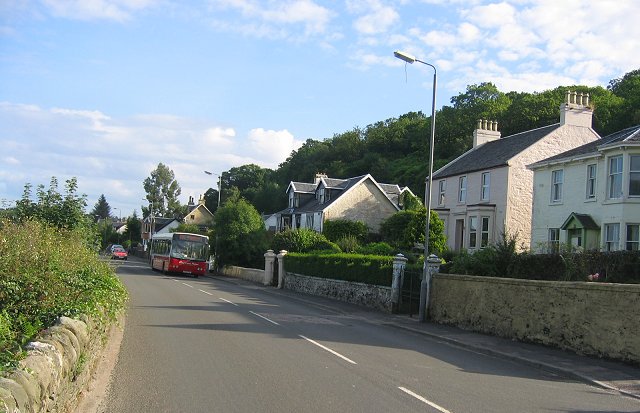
[[162, 193], [240, 232], [102, 209], [405, 229], [133, 233], [63, 211]]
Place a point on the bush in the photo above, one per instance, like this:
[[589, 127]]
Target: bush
[[46, 273], [367, 269], [376, 248], [337, 229], [301, 240], [348, 244]]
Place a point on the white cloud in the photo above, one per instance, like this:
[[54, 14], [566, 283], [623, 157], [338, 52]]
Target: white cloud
[[270, 148], [378, 20]]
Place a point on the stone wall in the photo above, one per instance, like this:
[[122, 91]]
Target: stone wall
[[249, 274], [596, 319], [58, 367], [372, 296]]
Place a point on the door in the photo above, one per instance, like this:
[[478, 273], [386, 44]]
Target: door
[[459, 238]]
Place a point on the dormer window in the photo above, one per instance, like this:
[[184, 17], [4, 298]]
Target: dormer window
[[294, 200], [321, 195]]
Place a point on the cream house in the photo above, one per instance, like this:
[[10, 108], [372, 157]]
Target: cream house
[[487, 191], [589, 196], [356, 199], [198, 214]]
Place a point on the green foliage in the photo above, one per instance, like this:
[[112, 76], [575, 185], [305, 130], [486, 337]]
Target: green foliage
[[367, 269], [62, 211], [404, 229], [301, 240], [241, 236], [348, 244], [190, 228], [46, 273], [376, 248], [336, 229], [133, 233], [162, 193], [102, 209]]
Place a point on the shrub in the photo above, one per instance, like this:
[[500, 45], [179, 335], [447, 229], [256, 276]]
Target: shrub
[[348, 244], [376, 248], [405, 228], [301, 240], [337, 229], [349, 267]]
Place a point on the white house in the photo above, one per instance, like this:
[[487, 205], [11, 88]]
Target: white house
[[359, 198], [487, 191], [589, 196]]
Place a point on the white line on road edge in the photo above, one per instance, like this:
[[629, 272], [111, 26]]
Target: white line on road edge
[[227, 301], [202, 291], [190, 286], [422, 399], [335, 353], [261, 316]]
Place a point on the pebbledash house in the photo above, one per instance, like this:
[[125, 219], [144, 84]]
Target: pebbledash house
[[360, 198], [488, 190]]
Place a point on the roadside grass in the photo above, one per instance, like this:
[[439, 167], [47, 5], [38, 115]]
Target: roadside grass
[[46, 273]]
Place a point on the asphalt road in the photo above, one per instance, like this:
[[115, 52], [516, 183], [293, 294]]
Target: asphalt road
[[211, 345]]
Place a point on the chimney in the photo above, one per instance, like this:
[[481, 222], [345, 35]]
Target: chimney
[[319, 175], [576, 110], [201, 200], [486, 131]]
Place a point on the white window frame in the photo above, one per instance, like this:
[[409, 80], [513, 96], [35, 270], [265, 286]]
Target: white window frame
[[485, 182], [462, 189], [557, 179], [612, 236], [614, 180], [442, 189], [592, 172], [634, 175], [554, 240], [633, 237], [473, 232], [309, 221], [484, 231]]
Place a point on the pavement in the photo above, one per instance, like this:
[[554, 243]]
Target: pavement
[[613, 375]]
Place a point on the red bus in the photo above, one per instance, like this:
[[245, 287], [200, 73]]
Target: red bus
[[180, 252]]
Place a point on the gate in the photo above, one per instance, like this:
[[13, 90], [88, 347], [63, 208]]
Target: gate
[[274, 279], [410, 292]]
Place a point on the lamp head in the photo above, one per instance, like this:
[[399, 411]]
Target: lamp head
[[208, 173], [404, 56]]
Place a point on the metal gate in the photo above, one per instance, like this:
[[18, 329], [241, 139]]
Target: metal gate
[[410, 292]]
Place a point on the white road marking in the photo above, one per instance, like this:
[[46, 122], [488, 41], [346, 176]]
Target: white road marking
[[203, 291], [422, 399], [227, 301], [261, 316], [190, 286], [335, 353]]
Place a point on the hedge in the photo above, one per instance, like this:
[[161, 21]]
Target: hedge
[[368, 269]]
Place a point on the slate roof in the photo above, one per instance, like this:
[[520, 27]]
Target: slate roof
[[304, 187], [584, 219], [493, 154], [628, 135]]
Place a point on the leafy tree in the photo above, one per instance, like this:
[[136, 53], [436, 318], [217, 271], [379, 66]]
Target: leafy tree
[[60, 210], [211, 200], [404, 229], [241, 236], [190, 228], [102, 209], [162, 193], [337, 229], [134, 229]]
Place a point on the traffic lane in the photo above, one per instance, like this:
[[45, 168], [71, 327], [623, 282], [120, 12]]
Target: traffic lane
[[438, 368], [218, 357]]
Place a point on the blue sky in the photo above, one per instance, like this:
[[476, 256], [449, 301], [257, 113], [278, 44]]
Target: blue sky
[[104, 90]]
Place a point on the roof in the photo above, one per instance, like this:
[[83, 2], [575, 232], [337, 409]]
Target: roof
[[494, 154], [628, 135], [584, 220], [304, 187]]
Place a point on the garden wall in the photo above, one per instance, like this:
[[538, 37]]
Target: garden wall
[[598, 319], [249, 274]]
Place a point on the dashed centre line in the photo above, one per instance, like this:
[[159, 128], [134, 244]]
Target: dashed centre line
[[422, 399], [206, 292], [263, 317], [335, 353], [227, 301], [190, 286]]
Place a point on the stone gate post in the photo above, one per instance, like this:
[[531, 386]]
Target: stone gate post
[[281, 271], [269, 260], [399, 262]]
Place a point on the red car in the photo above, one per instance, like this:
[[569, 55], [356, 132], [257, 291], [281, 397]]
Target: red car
[[119, 254]]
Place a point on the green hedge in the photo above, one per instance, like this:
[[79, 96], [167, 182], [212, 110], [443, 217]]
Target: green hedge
[[369, 269], [46, 273]]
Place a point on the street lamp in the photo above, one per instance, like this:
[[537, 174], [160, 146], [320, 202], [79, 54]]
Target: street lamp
[[426, 273], [219, 184], [119, 222]]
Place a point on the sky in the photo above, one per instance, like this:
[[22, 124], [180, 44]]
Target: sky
[[104, 90]]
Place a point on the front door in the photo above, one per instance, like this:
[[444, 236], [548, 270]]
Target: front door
[[459, 239]]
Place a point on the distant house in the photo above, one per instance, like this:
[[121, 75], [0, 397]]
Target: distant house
[[198, 214], [355, 199], [156, 225], [487, 191], [589, 196]]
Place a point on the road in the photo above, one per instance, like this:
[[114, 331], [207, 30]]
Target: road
[[214, 345]]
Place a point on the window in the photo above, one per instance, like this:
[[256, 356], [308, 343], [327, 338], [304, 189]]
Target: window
[[557, 178], [591, 181], [615, 177], [634, 175], [442, 188], [611, 237], [554, 240], [462, 190], [291, 199], [321, 195], [633, 237], [473, 232], [486, 183], [484, 241], [310, 221]]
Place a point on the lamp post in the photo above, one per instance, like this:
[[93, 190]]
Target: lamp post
[[426, 273], [219, 192]]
